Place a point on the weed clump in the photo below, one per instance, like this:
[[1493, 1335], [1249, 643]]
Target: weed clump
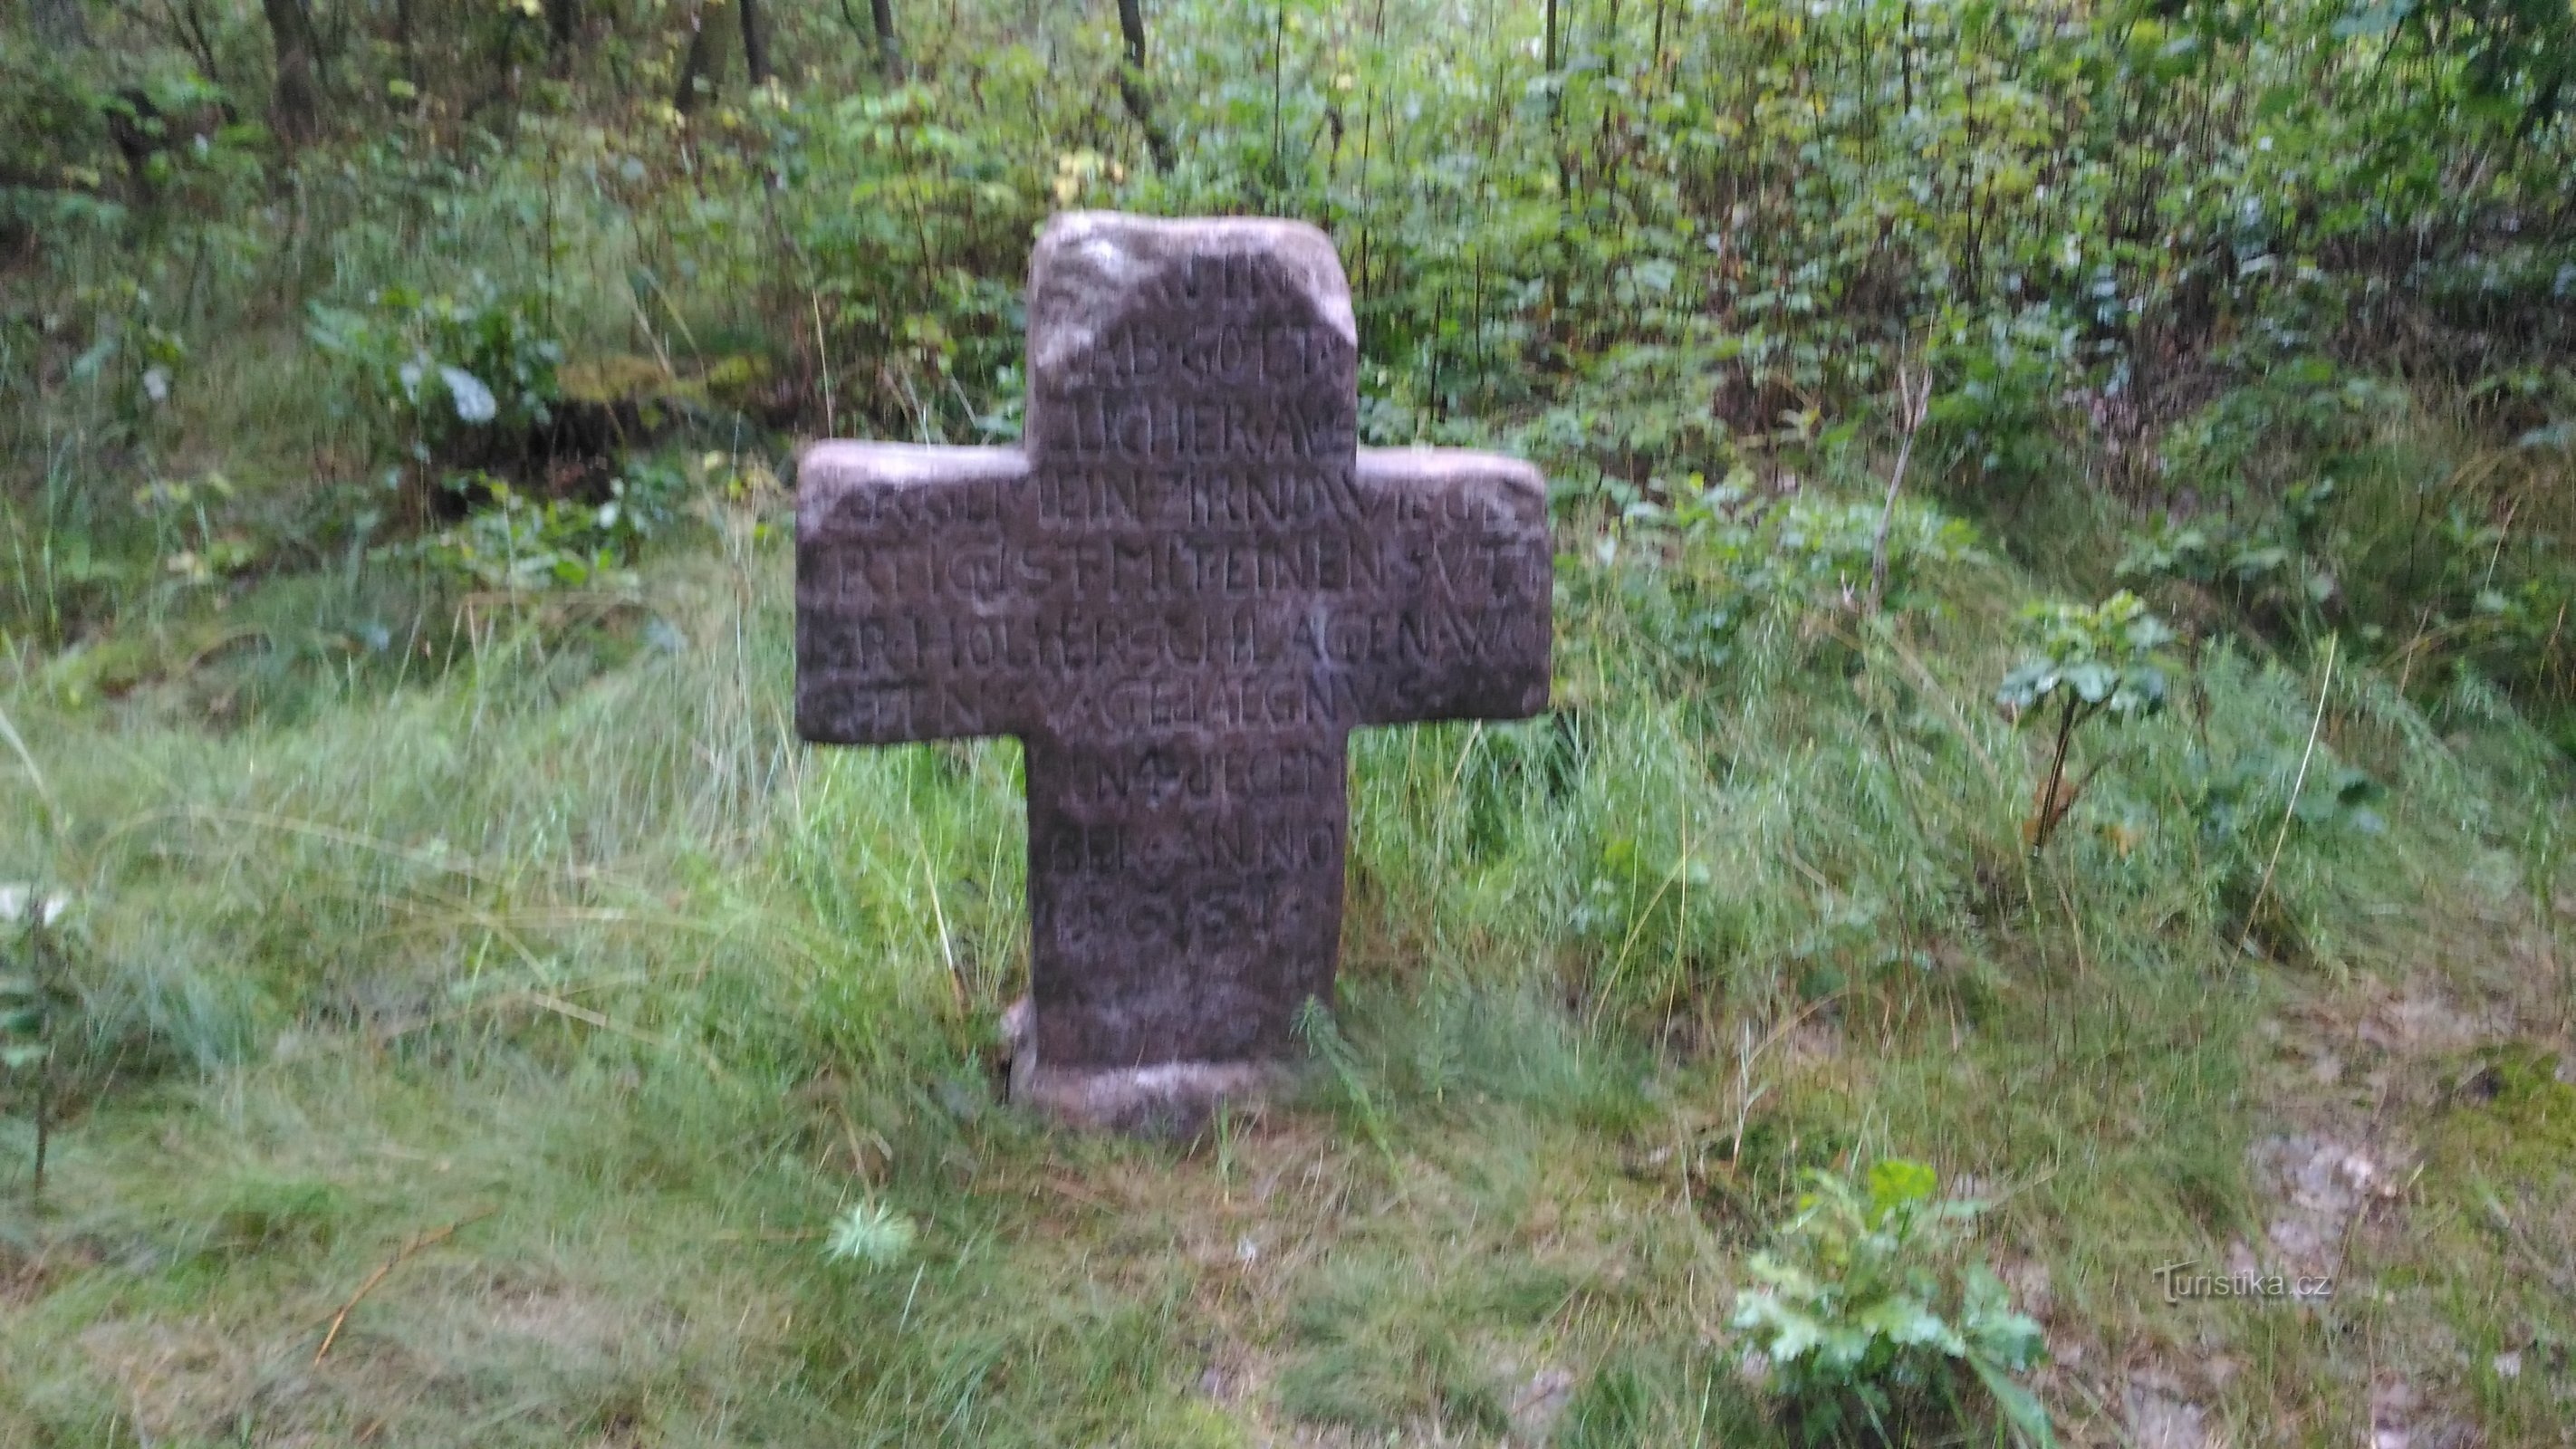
[[1867, 1320]]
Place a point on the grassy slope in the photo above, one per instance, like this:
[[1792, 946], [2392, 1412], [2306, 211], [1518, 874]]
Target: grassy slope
[[558, 935]]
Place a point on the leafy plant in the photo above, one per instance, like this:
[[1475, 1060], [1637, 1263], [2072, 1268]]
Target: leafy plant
[[2094, 661], [1809, 552], [2234, 798], [2276, 567], [441, 364], [1732, 558], [1866, 1313], [32, 998], [1999, 380], [520, 544]]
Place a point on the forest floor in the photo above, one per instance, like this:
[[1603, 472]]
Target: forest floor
[[487, 1013]]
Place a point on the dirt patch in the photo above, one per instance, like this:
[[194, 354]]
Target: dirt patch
[[2318, 1186], [1537, 1403], [2366, 1090], [2418, 1023], [2160, 1415], [2399, 1419]]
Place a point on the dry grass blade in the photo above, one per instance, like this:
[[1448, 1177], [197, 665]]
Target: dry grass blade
[[2253, 913], [410, 1249]]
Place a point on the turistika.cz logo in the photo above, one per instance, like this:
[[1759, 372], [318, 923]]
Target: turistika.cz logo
[[2181, 1285]]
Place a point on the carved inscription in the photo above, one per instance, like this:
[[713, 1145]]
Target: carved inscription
[[1182, 593]]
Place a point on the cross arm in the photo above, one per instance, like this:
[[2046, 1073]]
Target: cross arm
[[905, 562], [1463, 632]]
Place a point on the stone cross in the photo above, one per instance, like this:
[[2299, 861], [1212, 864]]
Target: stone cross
[[1181, 592]]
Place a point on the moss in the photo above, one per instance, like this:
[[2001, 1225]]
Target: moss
[[620, 377], [2509, 1111]]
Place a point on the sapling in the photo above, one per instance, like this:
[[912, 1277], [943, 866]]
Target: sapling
[[2095, 661], [29, 995]]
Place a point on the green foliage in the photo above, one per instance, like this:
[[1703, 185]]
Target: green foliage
[[135, 356], [905, 226], [1806, 552], [26, 1008], [439, 366], [518, 544], [2302, 415], [1315, 1026], [1996, 409], [1867, 1312], [2248, 808], [2095, 661], [2516, 58], [2248, 792], [35, 1001], [2099, 659], [1723, 559], [31, 988], [2276, 569]]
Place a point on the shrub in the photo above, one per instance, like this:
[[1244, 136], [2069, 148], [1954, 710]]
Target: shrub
[[516, 543], [438, 366]]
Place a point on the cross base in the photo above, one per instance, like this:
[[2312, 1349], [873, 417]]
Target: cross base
[[1174, 1099]]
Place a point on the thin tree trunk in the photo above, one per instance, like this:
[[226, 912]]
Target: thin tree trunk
[[44, 1117], [694, 65], [1554, 58], [1911, 404], [43, 967], [1131, 83], [755, 44], [889, 49], [403, 41], [563, 33], [294, 100], [191, 25]]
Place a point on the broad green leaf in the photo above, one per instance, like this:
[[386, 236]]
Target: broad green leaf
[[2092, 681], [1791, 1334], [2021, 1408], [2026, 686], [1911, 1322], [474, 402]]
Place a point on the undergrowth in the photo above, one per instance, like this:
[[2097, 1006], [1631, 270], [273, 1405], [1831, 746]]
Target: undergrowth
[[473, 1017]]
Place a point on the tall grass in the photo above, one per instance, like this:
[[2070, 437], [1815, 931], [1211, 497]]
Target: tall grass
[[564, 925]]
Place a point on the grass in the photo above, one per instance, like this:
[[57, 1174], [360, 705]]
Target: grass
[[398, 911], [569, 942]]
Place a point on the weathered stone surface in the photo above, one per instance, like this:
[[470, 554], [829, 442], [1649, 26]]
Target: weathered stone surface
[[1181, 594]]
